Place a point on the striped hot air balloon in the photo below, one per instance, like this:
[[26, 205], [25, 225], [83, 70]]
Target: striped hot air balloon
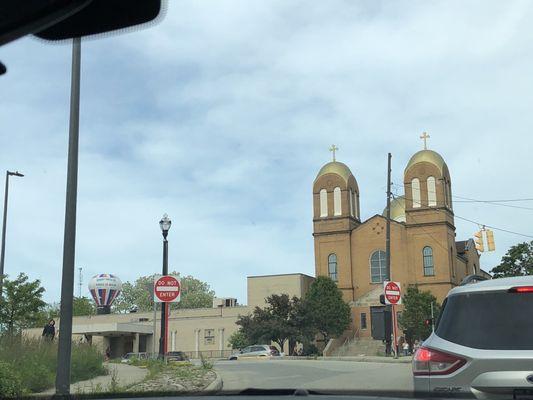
[[104, 288]]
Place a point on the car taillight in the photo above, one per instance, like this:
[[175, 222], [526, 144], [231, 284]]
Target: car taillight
[[521, 289], [428, 361]]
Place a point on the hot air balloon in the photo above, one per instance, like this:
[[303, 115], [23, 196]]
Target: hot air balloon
[[104, 288]]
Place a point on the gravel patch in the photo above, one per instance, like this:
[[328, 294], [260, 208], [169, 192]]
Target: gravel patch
[[185, 378]]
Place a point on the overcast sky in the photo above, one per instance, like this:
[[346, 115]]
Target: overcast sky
[[222, 114]]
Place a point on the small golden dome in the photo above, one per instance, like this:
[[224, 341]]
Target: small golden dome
[[335, 167], [429, 156], [397, 209]]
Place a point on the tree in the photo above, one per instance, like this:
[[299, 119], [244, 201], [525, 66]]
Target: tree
[[517, 261], [239, 340], [324, 309], [83, 306], [194, 294], [417, 309], [21, 303], [276, 322]]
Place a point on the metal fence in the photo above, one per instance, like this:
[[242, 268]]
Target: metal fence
[[209, 354]]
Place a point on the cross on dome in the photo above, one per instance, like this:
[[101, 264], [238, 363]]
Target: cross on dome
[[333, 149], [425, 137]]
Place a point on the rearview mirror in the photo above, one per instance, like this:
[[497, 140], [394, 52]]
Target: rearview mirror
[[101, 16]]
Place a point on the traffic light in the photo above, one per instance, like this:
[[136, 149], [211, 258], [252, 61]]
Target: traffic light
[[478, 240], [490, 240]]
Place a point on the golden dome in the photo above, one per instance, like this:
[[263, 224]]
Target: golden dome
[[429, 156], [397, 209], [335, 167]]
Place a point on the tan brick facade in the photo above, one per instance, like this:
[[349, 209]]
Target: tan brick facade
[[423, 226]]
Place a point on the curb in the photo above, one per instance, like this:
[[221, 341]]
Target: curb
[[385, 360], [214, 386]]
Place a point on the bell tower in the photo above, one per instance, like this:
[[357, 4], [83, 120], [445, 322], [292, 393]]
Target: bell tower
[[429, 216], [336, 212]]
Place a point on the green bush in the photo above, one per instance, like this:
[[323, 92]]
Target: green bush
[[36, 361], [10, 382]]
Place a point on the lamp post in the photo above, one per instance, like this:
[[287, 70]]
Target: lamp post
[[2, 255], [165, 226]]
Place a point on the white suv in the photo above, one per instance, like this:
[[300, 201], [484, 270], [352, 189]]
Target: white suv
[[482, 344], [255, 351]]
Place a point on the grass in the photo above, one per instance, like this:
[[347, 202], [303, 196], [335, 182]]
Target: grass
[[33, 363]]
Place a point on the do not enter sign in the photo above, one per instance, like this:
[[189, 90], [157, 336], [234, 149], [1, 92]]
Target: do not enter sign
[[167, 289], [393, 293]]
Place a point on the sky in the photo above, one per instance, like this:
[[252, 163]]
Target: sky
[[222, 113]]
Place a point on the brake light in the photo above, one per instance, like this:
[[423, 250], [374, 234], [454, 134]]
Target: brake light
[[521, 289], [428, 361]]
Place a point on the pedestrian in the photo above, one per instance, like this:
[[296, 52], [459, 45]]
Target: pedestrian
[[49, 330], [405, 347], [108, 353]]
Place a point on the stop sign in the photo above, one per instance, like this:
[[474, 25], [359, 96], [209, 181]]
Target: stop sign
[[167, 289], [392, 293]]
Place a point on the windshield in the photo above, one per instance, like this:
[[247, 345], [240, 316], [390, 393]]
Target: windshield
[[489, 316], [222, 196]]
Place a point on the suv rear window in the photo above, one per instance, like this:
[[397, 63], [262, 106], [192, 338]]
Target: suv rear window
[[489, 320]]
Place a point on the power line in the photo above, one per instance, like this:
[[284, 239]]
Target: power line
[[481, 224]]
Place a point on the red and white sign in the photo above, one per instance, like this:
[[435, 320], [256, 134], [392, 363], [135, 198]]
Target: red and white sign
[[393, 292], [167, 289]]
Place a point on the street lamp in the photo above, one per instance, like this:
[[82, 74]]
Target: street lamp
[[165, 224], [8, 174]]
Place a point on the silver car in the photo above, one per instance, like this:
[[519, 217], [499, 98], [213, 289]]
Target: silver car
[[482, 344], [256, 351]]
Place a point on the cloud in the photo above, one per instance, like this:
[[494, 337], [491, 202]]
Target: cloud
[[222, 114]]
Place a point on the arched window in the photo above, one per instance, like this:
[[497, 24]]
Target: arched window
[[337, 210], [351, 203], [429, 267], [323, 203], [449, 189], [415, 189], [432, 192], [378, 267], [332, 267], [357, 209]]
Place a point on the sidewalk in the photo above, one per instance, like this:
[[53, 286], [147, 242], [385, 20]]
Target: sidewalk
[[376, 359], [124, 374]]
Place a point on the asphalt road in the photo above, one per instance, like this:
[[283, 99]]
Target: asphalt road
[[318, 375]]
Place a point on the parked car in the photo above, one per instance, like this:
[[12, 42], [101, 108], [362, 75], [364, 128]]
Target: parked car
[[483, 342], [256, 351], [177, 356], [129, 357]]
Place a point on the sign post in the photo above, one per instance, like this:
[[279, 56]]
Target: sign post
[[393, 296], [167, 289]]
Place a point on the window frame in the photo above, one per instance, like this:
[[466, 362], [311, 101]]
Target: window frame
[[416, 199], [334, 276], [382, 266], [432, 191], [428, 268], [323, 200], [363, 318], [337, 201]]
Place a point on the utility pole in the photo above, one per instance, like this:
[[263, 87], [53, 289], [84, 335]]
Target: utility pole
[[387, 243], [432, 319], [388, 277], [69, 240], [80, 282], [4, 225]]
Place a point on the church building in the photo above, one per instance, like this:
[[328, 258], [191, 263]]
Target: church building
[[424, 248]]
